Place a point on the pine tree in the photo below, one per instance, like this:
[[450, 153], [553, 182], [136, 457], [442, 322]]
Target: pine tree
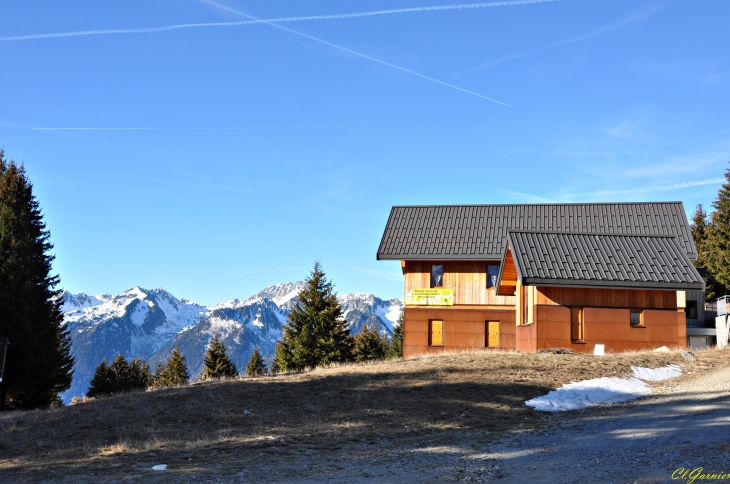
[[141, 377], [274, 366], [217, 363], [701, 228], [121, 374], [256, 366], [717, 244], [395, 348], [39, 364], [102, 381], [369, 345], [315, 333], [176, 370], [158, 377]]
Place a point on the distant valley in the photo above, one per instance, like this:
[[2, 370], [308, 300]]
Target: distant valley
[[151, 323]]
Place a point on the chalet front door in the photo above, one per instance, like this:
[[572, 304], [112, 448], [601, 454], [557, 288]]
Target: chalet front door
[[492, 333]]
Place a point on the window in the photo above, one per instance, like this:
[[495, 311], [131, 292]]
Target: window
[[691, 309], [492, 274], [636, 318], [576, 324], [437, 275], [436, 332]]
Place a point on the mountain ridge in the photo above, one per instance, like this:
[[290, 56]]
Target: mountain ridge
[[151, 322]]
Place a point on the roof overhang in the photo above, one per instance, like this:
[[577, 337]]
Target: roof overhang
[[648, 285]]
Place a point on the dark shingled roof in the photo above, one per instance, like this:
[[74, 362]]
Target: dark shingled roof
[[602, 260], [478, 232]]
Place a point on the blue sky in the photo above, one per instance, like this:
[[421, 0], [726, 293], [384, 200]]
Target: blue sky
[[215, 160]]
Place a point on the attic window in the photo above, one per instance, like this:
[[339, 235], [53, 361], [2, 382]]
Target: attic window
[[437, 275]]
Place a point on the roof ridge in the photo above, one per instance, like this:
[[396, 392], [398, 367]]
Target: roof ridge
[[535, 204]]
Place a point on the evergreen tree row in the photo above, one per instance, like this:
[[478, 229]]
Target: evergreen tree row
[[711, 235], [119, 376], [316, 335]]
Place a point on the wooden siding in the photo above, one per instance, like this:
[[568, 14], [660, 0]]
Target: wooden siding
[[468, 279], [617, 298], [508, 283], [463, 329]]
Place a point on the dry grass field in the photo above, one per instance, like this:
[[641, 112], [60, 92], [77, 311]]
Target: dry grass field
[[271, 428]]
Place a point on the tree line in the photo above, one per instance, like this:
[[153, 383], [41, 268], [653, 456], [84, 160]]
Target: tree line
[[711, 235], [315, 335]]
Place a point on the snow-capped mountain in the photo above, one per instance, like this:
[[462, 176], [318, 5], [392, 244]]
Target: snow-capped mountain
[[136, 322], [151, 323]]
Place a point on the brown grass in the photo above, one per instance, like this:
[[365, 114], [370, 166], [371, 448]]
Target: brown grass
[[288, 416]]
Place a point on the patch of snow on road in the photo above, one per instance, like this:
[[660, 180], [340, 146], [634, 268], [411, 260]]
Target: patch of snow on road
[[599, 391]]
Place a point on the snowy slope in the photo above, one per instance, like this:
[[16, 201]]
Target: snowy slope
[[136, 322], [151, 323]]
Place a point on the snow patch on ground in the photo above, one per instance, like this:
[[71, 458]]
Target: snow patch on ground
[[599, 391], [657, 374]]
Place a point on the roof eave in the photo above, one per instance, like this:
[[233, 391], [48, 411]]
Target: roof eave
[[646, 285]]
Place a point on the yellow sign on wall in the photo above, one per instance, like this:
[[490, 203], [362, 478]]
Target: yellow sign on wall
[[430, 297]]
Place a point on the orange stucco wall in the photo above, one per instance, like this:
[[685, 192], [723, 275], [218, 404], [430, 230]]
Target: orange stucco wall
[[463, 329], [607, 326]]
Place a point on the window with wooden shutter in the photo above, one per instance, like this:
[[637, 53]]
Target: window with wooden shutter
[[436, 332]]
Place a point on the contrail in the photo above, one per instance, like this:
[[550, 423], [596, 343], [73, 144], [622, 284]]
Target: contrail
[[255, 21], [633, 17], [268, 22], [649, 189]]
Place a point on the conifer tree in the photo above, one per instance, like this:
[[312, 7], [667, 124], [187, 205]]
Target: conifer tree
[[315, 333], [274, 367], [39, 364], [176, 370], [140, 373], [121, 374], [216, 362], [369, 345], [101, 383], [158, 376], [701, 228], [395, 348], [256, 366], [718, 236]]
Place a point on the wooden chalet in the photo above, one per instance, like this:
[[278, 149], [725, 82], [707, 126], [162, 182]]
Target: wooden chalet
[[529, 277]]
